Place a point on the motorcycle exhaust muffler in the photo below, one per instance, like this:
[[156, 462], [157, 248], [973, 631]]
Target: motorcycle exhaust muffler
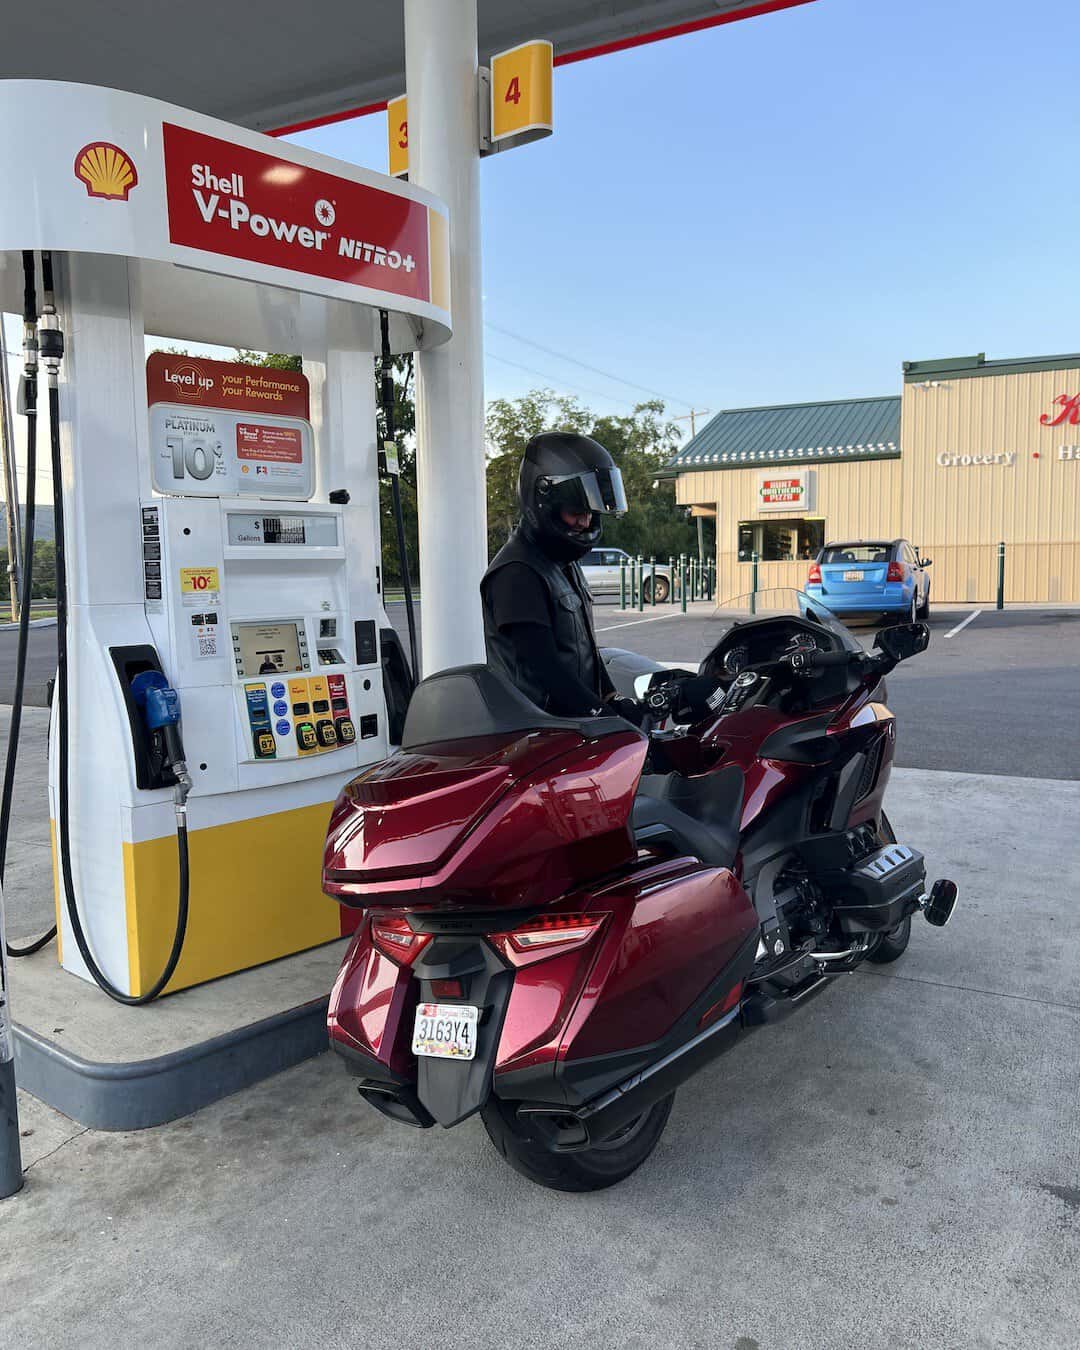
[[568, 1129]]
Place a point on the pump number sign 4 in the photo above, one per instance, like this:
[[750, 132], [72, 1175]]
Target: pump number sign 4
[[521, 93], [445, 1030]]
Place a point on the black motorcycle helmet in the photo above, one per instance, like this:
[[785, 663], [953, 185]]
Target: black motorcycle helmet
[[562, 471]]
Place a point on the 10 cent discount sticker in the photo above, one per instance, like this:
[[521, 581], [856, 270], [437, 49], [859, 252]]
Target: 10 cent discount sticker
[[199, 586]]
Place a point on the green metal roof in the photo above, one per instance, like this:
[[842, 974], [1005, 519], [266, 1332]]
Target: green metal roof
[[964, 367], [795, 433]]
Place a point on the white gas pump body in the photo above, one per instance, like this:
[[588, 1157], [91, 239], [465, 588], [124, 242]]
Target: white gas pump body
[[258, 595]]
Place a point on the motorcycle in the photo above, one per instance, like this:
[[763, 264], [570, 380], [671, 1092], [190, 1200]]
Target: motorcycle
[[563, 920]]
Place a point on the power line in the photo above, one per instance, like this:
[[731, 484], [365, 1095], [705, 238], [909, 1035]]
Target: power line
[[561, 356], [558, 379]]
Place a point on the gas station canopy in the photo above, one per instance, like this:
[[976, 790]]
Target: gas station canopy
[[284, 65]]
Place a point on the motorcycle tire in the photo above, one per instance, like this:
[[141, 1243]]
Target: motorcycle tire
[[893, 944], [591, 1169]]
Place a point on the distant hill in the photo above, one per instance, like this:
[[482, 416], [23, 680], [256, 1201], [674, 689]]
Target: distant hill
[[43, 522]]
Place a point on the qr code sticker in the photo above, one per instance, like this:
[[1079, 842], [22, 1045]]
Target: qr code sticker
[[206, 643]]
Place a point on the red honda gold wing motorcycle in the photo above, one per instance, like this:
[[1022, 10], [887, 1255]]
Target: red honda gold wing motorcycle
[[564, 920]]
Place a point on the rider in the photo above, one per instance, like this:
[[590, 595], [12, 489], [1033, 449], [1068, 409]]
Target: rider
[[537, 606]]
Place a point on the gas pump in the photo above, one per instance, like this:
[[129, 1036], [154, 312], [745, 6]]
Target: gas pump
[[222, 635]]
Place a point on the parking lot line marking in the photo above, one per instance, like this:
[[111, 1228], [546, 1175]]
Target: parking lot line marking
[[973, 615], [652, 619]]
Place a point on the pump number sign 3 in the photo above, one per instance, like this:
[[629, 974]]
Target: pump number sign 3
[[445, 1030]]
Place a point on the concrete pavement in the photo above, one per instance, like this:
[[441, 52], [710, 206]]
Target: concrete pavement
[[898, 1167]]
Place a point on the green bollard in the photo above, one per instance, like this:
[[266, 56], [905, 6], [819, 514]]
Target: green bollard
[[1001, 576], [622, 583], [652, 583], [754, 584]]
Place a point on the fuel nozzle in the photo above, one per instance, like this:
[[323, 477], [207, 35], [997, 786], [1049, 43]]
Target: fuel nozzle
[[160, 707]]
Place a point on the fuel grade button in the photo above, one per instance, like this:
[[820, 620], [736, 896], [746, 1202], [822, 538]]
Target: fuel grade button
[[327, 734], [346, 732], [305, 736]]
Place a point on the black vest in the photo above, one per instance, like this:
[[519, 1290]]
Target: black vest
[[570, 604]]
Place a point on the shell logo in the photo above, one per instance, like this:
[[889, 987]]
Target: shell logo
[[106, 171]]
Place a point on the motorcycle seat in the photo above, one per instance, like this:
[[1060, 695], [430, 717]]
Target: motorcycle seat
[[697, 816]]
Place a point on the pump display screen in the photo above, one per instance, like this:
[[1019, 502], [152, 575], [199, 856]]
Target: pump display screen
[[268, 649]]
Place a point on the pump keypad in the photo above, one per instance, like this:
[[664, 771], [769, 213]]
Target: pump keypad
[[308, 716]]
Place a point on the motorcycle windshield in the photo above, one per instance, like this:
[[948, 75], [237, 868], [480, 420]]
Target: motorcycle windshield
[[776, 603]]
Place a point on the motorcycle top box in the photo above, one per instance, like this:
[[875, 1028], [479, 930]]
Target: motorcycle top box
[[563, 920]]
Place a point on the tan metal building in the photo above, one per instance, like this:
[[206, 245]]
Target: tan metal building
[[971, 453]]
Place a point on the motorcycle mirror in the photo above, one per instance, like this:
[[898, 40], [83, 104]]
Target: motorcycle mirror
[[903, 640], [641, 684]]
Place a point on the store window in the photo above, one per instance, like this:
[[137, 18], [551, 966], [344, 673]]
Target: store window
[[780, 540]]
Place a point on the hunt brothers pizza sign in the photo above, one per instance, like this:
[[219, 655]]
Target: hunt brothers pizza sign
[[789, 492]]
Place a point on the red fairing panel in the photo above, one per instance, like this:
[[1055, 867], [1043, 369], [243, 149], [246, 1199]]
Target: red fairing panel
[[372, 1005], [671, 930], [539, 836]]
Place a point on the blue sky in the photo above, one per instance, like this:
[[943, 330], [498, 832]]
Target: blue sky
[[788, 207]]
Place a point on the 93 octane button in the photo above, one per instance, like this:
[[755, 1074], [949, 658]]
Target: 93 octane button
[[445, 1030]]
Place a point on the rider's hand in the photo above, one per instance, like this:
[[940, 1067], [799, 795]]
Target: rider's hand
[[626, 708]]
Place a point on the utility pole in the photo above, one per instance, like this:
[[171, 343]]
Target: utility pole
[[11, 481], [691, 417]]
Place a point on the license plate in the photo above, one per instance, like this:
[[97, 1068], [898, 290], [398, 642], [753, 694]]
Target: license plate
[[445, 1030], [853, 576]]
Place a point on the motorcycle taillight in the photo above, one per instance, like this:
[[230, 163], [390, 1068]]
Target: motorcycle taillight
[[547, 936], [392, 936]]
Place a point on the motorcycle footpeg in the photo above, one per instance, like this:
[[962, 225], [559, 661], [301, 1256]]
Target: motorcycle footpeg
[[940, 903]]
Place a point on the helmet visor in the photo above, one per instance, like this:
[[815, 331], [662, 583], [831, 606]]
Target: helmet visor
[[598, 490]]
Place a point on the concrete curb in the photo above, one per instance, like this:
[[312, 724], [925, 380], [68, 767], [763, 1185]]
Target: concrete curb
[[34, 623], [137, 1094]]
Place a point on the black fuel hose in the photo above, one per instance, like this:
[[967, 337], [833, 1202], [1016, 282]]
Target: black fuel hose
[[25, 598]]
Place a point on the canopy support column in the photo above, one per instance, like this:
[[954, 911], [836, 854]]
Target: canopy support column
[[441, 81]]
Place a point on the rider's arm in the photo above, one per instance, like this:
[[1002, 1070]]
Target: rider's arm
[[535, 647]]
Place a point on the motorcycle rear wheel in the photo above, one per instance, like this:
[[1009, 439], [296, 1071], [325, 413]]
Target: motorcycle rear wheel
[[591, 1169]]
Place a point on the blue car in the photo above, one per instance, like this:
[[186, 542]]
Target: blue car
[[879, 577]]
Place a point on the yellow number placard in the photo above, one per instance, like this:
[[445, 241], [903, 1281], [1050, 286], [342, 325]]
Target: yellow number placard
[[521, 92], [397, 136]]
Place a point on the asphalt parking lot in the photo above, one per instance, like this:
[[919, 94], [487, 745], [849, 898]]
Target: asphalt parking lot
[[994, 697], [999, 696]]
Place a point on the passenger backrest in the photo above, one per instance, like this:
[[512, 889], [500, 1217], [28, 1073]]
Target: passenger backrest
[[469, 701]]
